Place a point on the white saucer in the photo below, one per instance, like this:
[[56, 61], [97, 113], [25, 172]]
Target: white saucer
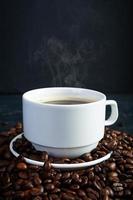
[[75, 166]]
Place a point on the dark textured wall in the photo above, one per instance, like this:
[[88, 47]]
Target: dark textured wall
[[81, 43]]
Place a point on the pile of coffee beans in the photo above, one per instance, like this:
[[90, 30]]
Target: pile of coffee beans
[[109, 180]]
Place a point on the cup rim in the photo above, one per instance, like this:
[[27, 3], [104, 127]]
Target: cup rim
[[26, 97]]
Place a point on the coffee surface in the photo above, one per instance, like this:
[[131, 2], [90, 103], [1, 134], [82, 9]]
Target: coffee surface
[[67, 102]]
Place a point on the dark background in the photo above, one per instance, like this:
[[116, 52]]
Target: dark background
[[80, 43]]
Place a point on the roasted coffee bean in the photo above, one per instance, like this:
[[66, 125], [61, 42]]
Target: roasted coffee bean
[[101, 153], [95, 156], [23, 175], [103, 148], [44, 156], [93, 191], [74, 162], [75, 177], [112, 145], [122, 167], [81, 193], [127, 153], [56, 183], [117, 184], [34, 167], [91, 175], [2, 169], [67, 196], [46, 197], [47, 181], [117, 187], [27, 194], [130, 185], [7, 186], [80, 160], [92, 196], [27, 184], [37, 180], [49, 186], [102, 183], [127, 192], [56, 190], [67, 181], [129, 166], [84, 180], [102, 177], [53, 197], [97, 184], [112, 174], [120, 161], [5, 179], [33, 173], [34, 157], [19, 181], [119, 193], [51, 159], [69, 191], [37, 198], [130, 172], [87, 157], [19, 194], [8, 194], [125, 176], [111, 166], [81, 172], [129, 160], [58, 176], [65, 160], [109, 191], [37, 191], [98, 169], [66, 175], [22, 166], [106, 197], [113, 179], [74, 187]]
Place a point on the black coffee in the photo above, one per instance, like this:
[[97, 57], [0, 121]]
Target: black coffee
[[68, 102]]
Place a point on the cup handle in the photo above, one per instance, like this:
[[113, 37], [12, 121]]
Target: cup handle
[[114, 112]]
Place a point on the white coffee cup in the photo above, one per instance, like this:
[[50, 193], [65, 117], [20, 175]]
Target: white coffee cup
[[63, 129]]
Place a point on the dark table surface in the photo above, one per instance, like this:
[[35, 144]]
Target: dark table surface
[[11, 111]]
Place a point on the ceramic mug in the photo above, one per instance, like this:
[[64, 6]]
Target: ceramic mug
[[66, 129]]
